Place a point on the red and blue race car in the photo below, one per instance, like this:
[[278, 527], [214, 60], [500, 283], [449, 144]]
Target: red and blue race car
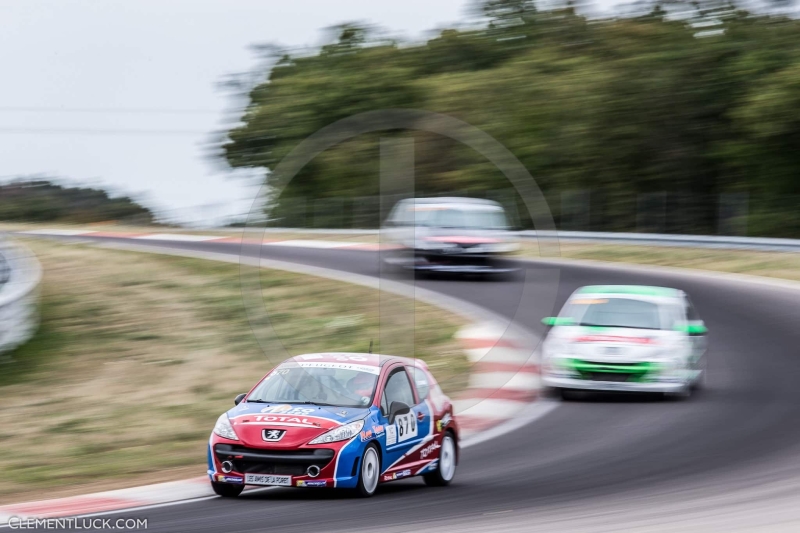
[[344, 420]]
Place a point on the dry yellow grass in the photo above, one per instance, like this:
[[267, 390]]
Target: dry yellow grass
[[138, 354], [771, 264], [785, 265], [231, 232]]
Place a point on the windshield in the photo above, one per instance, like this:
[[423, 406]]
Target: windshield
[[462, 218], [322, 386], [615, 312]]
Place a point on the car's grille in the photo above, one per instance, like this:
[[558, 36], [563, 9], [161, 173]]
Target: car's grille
[[459, 259], [246, 467], [282, 462], [607, 376], [619, 372]]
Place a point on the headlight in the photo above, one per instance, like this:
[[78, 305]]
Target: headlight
[[424, 244], [669, 354], [555, 348], [497, 248], [558, 367], [347, 431], [223, 428]]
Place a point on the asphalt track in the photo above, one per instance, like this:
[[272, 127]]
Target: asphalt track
[[740, 429]]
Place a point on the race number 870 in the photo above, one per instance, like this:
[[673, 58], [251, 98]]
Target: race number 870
[[406, 426]]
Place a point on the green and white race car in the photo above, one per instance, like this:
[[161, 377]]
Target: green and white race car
[[625, 338]]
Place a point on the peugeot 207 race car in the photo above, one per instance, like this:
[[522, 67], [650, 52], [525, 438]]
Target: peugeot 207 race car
[[625, 338], [343, 420], [449, 235]]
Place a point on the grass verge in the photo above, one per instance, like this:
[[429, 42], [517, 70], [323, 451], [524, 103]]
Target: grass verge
[[784, 265], [138, 354]]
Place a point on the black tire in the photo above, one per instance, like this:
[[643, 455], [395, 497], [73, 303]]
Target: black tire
[[370, 472], [447, 458], [551, 393], [567, 395], [512, 275], [227, 490], [700, 383], [679, 396]]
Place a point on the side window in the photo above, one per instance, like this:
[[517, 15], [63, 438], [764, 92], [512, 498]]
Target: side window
[[408, 214], [402, 214], [384, 405], [397, 389], [420, 378], [691, 312], [673, 316]]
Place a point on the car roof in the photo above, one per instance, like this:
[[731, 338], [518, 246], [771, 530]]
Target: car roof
[[454, 201], [368, 359], [451, 200], [637, 290]]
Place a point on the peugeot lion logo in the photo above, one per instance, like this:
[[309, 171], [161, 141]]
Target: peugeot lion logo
[[272, 435]]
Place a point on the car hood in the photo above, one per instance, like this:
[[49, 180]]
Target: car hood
[[301, 422]]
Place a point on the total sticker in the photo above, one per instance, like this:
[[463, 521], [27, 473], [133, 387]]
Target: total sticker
[[391, 435]]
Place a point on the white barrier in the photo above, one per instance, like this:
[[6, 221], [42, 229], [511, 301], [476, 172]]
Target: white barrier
[[19, 296]]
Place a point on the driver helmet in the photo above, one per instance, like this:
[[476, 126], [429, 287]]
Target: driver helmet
[[361, 384]]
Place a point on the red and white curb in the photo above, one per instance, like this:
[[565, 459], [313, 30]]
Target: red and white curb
[[185, 237], [108, 501], [504, 377]]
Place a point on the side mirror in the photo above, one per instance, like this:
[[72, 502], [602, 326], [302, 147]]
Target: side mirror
[[558, 321], [696, 327], [693, 328], [397, 408], [238, 399]]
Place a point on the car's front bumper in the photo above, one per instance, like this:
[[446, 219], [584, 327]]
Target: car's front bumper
[[463, 263], [554, 382], [282, 463], [463, 269]]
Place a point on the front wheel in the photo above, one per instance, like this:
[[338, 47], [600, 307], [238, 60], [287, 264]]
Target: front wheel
[[446, 470], [681, 394], [226, 490], [370, 472], [700, 380]]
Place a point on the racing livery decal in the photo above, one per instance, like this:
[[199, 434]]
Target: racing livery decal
[[334, 442], [406, 426]]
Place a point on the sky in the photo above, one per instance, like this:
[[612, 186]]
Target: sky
[[126, 95]]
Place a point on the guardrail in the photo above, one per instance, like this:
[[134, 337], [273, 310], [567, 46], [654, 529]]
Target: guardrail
[[663, 239], [19, 296], [641, 239]]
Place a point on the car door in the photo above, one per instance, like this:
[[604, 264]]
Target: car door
[[698, 342], [403, 433], [399, 225], [423, 411]]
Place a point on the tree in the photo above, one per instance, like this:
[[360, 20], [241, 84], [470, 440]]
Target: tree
[[697, 105]]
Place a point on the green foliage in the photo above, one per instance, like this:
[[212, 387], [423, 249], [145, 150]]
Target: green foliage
[[42, 201], [701, 105]]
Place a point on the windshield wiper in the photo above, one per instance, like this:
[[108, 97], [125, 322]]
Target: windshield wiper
[[296, 402]]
